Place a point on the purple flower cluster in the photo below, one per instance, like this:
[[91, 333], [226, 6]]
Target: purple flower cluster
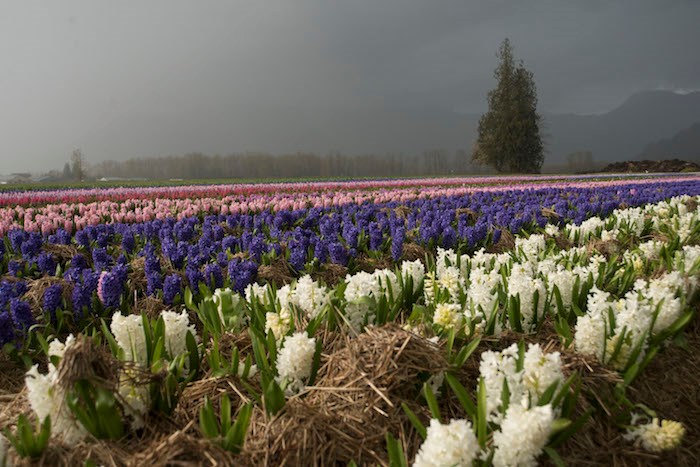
[[226, 249], [110, 286]]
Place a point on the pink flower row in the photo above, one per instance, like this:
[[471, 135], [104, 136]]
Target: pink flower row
[[75, 216], [37, 198]]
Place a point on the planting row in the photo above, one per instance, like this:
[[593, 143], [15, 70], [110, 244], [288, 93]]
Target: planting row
[[614, 291], [72, 216], [120, 194], [113, 265]]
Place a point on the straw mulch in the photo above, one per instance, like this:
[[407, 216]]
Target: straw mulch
[[356, 400]]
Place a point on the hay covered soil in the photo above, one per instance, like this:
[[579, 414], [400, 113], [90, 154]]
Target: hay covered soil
[[362, 383]]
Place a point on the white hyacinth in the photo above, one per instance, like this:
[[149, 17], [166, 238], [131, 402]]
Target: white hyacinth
[[58, 348], [285, 296], [177, 325], [415, 270], [295, 361], [310, 296], [136, 397], [260, 292], [657, 435], [531, 247], [541, 370], [448, 316], [523, 284], [451, 280], [129, 334], [443, 260], [495, 368], [278, 323], [523, 435], [47, 398], [453, 444]]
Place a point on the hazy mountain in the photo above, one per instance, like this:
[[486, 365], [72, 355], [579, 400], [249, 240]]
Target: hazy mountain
[[683, 145], [624, 132]]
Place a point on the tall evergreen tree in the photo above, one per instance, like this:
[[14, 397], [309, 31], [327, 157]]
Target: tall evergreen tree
[[509, 133]]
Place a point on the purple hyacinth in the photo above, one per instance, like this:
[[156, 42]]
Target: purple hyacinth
[[7, 329], [297, 255], [16, 237], [172, 287], [101, 259], [82, 292], [350, 234], [46, 263], [52, 300], [128, 241], [213, 276], [21, 314], [154, 278], [31, 245], [397, 243], [14, 268], [110, 286], [376, 236], [194, 277], [338, 253], [321, 251], [242, 273]]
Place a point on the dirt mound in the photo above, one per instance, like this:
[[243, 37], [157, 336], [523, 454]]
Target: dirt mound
[[671, 165]]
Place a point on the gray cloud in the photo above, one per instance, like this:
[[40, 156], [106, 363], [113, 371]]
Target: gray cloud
[[127, 79]]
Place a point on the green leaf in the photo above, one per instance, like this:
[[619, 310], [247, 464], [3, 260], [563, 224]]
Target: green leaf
[[316, 363], [273, 397], [554, 456], [481, 428], [237, 434], [463, 396], [465, 352], [415, 421], [394, 448], [225, 413], [432, 402], [207, 421]]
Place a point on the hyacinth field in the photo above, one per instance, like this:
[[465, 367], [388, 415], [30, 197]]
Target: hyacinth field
[[465, 321]]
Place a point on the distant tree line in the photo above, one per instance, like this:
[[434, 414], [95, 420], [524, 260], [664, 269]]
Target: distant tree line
[[257, 165]]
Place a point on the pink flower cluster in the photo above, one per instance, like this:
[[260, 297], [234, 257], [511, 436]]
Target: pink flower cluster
[[73, 216], [121, 194]]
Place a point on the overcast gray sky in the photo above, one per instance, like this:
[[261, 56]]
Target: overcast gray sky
[[138, 78]]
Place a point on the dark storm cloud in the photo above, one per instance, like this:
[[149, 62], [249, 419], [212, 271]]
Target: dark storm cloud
[[125, 79]]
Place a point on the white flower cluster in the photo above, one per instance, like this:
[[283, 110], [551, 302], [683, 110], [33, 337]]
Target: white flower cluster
[[415, 270], [530, 248], [130, 336], [652, 306], [260, 292], [295, 362], [47, 398], [448, 316], [278, 323], [363, 290], [523, 435], [539, 370], [530, 290], [450, 444], [310, 296], [657, 435]]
